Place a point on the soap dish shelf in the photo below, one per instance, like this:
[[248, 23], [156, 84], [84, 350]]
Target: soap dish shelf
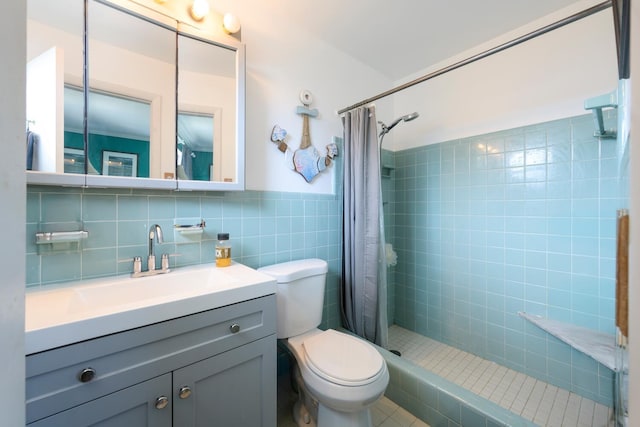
[[190, 229], [51, 237], [598, 345], [194, 229]]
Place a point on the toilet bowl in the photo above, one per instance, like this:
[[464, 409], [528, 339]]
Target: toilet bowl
[[342, 373], [339, 376]]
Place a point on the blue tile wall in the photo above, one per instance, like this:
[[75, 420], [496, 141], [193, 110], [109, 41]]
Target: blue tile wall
[[517, 220], [388, 202], [265, 228]]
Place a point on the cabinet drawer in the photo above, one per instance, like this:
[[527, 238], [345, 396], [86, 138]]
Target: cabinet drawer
[[110, 363]]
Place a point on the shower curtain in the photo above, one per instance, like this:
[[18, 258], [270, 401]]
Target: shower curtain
[[364, 271]]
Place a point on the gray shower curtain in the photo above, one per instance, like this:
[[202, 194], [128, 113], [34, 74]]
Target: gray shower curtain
[[364, 271]]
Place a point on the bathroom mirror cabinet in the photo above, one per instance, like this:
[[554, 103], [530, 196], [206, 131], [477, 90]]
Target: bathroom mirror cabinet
[[160, 105]]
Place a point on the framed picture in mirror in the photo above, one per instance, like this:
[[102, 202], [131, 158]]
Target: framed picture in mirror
[[73, 160], [119, 164]]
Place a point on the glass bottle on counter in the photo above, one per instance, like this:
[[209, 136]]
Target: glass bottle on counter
[[223, 250]]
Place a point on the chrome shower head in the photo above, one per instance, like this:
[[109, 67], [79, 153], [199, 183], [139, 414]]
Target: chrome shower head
[[406, 118], [410, 117]]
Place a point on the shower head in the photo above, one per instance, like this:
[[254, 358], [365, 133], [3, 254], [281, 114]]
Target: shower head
[[411, 116], [406, 118]]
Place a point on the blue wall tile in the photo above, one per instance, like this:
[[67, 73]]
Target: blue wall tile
[[535, 216]]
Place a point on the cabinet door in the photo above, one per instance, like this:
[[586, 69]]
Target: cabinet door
[[136, 406], [234, 389]]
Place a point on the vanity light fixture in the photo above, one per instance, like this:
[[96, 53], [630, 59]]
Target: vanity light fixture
[[199, 9], [230, 23]]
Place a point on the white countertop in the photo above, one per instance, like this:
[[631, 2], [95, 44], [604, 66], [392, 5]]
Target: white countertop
[[59, 315]]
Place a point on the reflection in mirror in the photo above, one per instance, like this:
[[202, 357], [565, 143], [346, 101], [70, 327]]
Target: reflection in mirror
[[117, 163], [195, 146], [54, 58], [73, 160], [119, 124], [131, 103], [207, 103]]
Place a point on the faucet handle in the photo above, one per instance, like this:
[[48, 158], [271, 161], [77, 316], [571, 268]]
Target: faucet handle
[[137, 264], [165, 261]]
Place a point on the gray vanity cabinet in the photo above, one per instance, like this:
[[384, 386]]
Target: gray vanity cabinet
[[226, 390], [133, 406], [214, 368]]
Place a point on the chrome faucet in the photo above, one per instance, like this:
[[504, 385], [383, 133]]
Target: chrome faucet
[[155, 234]]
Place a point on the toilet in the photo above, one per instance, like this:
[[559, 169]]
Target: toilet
[[339, 376]]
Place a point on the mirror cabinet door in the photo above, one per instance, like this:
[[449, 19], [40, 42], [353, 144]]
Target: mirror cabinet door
[[54, 63], [131, 99], [207, 105]]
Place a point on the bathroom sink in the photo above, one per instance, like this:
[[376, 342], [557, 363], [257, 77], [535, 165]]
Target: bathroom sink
[[134, 291], [71, 312]]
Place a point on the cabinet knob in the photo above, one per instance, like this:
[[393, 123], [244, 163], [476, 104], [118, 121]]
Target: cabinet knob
[[86, 375], [185, 392], [235, 328], [162, 402]]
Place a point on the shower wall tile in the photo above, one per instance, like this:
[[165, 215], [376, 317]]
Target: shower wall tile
[[265, 228], [517, 220]]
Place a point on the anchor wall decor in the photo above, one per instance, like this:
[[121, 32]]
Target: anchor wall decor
[[306, 160]]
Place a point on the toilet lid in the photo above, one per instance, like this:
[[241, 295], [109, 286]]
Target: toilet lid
[[341, 358]]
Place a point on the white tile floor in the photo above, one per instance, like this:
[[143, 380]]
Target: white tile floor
[[535, 400], [384, 413]]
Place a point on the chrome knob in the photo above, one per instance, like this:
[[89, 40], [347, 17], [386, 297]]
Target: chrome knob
[[235, 328], [162, 402], [185, 392], [86, 375]]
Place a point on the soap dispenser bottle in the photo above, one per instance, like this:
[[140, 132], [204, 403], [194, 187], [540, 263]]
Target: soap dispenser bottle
[[223, 250]]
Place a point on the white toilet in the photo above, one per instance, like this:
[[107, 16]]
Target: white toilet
[[341, 375]]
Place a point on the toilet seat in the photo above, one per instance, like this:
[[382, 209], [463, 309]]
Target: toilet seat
[[342, 359]]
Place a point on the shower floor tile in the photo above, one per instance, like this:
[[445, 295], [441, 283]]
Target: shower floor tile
[[535, 400]]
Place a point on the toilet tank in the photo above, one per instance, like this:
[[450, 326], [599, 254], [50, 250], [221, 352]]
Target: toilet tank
[[300, 294]]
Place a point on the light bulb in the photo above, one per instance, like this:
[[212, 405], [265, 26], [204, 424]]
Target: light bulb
[[199, 9], [230, 23]]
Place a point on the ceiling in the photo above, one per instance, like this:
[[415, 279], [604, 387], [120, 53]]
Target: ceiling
[[397, 38]]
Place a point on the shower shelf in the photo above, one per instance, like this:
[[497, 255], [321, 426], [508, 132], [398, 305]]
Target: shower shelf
[[597, 345], [385, 171]]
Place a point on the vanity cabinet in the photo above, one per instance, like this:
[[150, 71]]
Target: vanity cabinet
[[214, 368], [133, 406]]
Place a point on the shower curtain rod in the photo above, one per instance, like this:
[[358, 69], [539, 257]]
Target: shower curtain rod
[[540, 31]]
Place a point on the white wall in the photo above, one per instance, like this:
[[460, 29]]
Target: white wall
[[281, 61], [12, 210], [543, 79]]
